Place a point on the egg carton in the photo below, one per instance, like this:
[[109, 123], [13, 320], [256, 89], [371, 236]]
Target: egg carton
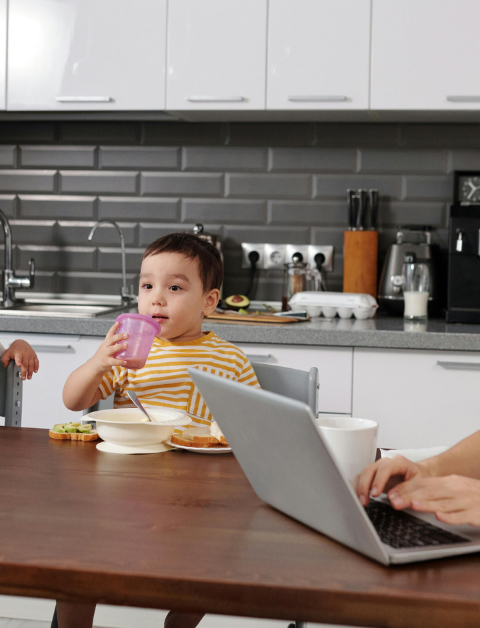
[[331, 304]]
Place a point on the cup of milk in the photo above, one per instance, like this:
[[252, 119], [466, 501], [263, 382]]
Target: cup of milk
[[417, 281]]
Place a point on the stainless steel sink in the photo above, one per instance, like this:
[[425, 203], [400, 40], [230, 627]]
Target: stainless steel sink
[[65, 305]]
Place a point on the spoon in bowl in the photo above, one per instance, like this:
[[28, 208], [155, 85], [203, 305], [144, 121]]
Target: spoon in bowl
[[136, 401]]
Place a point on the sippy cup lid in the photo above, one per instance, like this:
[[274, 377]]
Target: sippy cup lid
[[142, 317]]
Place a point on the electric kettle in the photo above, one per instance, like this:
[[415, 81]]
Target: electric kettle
[[390, 290]]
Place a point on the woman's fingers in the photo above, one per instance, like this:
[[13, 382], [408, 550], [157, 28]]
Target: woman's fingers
[[384, 473], [460, 517], [363, 483], [447, 494]]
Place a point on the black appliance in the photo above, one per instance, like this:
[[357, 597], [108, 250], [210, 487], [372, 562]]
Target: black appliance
[[463, 301]]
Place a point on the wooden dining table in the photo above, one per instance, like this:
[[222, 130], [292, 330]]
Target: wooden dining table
[[182, 530]]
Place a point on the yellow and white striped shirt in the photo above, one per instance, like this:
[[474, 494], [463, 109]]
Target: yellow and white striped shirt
[[164, 381]]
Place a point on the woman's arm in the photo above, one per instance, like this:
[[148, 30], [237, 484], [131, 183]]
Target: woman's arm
[[462, 459]]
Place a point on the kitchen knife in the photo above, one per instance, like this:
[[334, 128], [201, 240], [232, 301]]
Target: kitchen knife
[[373, 209], [351, 209], [362, 209]]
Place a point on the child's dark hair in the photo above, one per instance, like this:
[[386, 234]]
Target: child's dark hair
[[210, 265]]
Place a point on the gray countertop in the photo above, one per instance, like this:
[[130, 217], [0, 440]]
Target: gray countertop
[[380, 332]]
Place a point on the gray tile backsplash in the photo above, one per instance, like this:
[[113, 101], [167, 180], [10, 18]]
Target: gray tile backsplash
[[57, 156], [7, 156], [254, 182]]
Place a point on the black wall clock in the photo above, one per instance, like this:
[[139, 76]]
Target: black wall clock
[[466, 187]]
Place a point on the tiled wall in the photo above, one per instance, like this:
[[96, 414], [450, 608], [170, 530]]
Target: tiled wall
[[244, 182]]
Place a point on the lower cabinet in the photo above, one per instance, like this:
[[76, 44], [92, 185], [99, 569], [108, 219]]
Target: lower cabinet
[[58, 355], [419, 398], [334, 369]]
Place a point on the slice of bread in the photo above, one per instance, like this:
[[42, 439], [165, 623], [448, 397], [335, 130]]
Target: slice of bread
[[92, 435], [188, 442], [200, 437]]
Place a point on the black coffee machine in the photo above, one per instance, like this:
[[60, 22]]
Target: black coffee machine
[[463, 301]]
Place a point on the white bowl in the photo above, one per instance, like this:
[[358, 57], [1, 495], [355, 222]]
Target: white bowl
[[125, 426]]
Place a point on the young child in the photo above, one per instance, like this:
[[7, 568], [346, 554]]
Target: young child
[[24, 356], [180, 279]]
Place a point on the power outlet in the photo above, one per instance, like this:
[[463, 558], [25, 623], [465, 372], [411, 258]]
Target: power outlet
[[326, 250], [291, 249], [274, 256], [247, 248]]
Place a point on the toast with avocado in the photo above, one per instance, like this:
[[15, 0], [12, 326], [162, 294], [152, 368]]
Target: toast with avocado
[[73, 431]]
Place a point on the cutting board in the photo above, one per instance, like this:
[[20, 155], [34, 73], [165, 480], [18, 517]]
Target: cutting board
[[241, 319]]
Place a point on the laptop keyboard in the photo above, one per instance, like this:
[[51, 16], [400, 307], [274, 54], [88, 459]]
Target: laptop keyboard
[[400, 530]]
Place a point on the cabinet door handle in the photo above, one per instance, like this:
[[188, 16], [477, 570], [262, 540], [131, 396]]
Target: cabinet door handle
[[54, 348], [317, 98], [463, 98], [216, 99], [259, 358], [459, 366], [83, 99]]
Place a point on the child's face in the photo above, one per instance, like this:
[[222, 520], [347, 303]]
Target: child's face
[[171, 291]]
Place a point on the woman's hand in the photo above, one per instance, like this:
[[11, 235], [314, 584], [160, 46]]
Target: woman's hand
[[383, 475], [454, 499], [24, 356], [103, 359]]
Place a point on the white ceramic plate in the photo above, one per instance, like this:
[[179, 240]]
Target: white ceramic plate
[[201, 450], [110, 448]]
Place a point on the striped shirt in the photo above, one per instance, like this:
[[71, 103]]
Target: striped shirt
[[164, 381]]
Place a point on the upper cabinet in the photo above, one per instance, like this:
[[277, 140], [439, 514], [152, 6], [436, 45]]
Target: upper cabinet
[[318, 54], [425, 55], [3, 52], [216, 54], [273, 59], [86, 54]]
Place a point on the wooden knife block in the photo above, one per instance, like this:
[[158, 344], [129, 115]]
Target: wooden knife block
[[360, 262]]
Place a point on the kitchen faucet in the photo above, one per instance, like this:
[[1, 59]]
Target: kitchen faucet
[[10, 281], [127, 295]]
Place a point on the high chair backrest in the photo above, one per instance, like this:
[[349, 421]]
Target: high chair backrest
[[293, 383], [11, 391]]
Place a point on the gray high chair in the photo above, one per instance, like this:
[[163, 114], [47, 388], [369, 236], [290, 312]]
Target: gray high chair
[[11, 390], [293, 383]]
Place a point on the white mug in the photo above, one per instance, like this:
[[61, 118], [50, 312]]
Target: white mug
[[352, 441]]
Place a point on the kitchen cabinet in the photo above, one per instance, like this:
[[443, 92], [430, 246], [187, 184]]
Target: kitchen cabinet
[[425, 55], [419, 398], [318, 54], [58, 355], [86, 55], [216, 54], [334, 370], [3, 53]]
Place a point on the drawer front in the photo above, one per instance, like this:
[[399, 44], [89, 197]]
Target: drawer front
[[419, 398], [334, 370]]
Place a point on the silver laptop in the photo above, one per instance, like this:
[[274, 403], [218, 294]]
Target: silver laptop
[[290, 467]]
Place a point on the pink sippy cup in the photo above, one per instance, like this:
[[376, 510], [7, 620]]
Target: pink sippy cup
[[141, 331]]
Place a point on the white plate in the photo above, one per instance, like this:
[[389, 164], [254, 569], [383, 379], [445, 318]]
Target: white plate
[[157, 448], [202, 450]]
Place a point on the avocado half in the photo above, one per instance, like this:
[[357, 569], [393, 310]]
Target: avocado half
[[237, 302]]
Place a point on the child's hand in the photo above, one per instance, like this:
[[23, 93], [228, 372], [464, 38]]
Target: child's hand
[[24, 356], [103, 359]]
